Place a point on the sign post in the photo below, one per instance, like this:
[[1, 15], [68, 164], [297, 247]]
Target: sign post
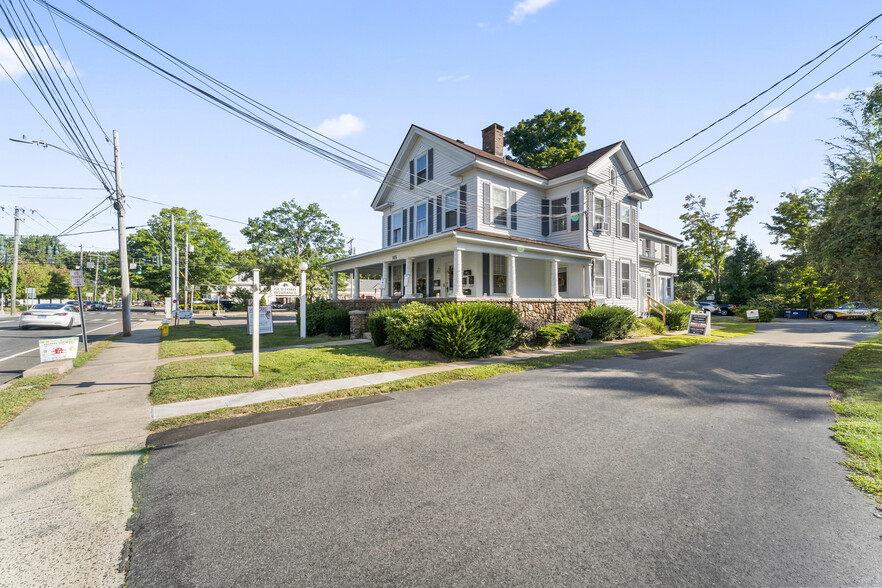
[[78, 280], [699, 324], [255, 323]]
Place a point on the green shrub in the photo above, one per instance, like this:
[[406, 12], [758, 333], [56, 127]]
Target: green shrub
[[774, 303], [561, 334], [408, 327], [765, 314], [376, 324], [654, 324], [315, 316], [677, 318], [608, 322], [336, 322], [475, 329], [238, 308]]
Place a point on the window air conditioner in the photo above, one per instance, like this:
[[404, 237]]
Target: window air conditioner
[[598, 226]]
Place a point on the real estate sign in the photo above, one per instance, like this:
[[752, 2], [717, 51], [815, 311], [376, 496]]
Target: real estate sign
[[699, 324], [57, 349], [753, 315], [265, 321]]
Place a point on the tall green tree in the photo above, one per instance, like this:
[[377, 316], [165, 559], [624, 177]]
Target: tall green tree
[[744, 272], [284, 236], [547, 139], [710, 236], [209, 259], [59, 286], [860, 145]]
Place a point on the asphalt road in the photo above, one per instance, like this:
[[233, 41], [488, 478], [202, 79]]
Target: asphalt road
[[19, 350], [711, 466]]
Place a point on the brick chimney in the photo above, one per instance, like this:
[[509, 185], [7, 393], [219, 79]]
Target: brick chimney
[[493, 142]]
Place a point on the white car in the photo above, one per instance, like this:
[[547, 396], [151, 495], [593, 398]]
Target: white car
[[50, 315]]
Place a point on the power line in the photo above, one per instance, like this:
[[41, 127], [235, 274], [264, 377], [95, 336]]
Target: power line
[[46, 187]]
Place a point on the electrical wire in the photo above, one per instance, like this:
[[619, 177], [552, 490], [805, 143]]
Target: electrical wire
[[46, 187]]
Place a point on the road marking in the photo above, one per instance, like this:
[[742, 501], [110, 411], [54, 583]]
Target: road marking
[[37, 348]]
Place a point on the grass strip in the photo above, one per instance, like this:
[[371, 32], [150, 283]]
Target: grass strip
[[201, 338], [857, 378], [474, 373], [210, 377]]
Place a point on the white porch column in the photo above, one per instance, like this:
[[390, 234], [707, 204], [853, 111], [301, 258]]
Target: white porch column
[[334, 286], [384, 291], [512, 284], [408, 286], [584, 281], [589, 281], [356, 287], [457, 273], [554, 291]]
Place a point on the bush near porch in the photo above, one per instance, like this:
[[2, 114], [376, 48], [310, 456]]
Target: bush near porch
[[608, 322]]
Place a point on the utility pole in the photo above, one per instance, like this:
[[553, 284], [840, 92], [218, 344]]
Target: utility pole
[[97, 265], [81, 257], [13, 309], [120, 205], [187, 270], [173, 293]]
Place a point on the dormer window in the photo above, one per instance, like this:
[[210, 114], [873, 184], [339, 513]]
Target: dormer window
[[422, 168]]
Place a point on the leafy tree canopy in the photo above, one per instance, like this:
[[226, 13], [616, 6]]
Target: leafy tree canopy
[[547, 139]]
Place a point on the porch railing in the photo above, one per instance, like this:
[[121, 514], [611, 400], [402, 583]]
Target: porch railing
[[653, 304]]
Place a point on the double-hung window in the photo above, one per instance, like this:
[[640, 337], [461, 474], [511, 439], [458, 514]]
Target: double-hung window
[[500, 274], [499, 205], [599, 212], [626, 222], [396, 228], [422, 168], [451, 210], [626, 279], [646, 248], [421, 222], [559, 215], [668, 254], [599, 279]]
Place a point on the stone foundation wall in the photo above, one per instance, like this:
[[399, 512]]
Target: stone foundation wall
[[533, 312]]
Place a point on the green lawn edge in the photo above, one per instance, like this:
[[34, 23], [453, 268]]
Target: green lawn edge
[[474, 373], [857, 380], [202, 339], [21, 393]]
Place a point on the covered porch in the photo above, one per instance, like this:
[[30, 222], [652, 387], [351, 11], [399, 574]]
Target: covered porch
[[469, 264]]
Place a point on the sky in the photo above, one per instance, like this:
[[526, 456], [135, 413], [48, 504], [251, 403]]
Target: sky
[[648, 73]]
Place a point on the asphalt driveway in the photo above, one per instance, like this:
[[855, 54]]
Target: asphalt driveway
[[709, 466]]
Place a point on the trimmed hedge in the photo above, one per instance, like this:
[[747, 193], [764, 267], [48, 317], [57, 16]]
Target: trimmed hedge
[[408, 326], [608, 322], [654, 324], [765, 314], [676, 319], [315, 316], [562, 334], [336, 322], [376, 324], [475, 329]]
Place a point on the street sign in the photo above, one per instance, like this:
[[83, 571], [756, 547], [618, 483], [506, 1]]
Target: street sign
[[31, 292], [77, 279], [699, 324], [265, 322], [57, 349]]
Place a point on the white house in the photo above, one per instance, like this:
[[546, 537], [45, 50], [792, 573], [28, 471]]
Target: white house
[[462, 222]]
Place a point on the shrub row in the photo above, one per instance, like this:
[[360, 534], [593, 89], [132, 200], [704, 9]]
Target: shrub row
[[561, 334], [677, 318], [765, 314], [608, 322]]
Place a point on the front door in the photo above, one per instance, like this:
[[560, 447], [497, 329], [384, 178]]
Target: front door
[[644, 292]]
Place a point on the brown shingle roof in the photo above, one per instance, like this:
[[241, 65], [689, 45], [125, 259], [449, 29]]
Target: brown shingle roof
[[579, 163], [485, 155], [649, 229]]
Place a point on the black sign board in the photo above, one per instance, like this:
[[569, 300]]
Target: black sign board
[[699, 324]]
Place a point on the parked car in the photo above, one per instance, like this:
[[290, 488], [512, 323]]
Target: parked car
[[849, 310], [706, 305], [148, 303], [64, 316], [724, 308]]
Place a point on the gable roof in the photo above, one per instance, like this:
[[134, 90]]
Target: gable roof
[[649, 229], [485, 155], [579, 163]]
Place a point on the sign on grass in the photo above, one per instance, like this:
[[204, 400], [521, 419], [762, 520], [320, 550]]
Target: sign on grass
[[753, 315], [56, 349], [185, 314], [699, 323], [265, 324]]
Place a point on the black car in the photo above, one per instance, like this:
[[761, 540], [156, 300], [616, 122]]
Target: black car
[[724, 308]]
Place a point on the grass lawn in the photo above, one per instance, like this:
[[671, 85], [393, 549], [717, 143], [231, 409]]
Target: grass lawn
[[201, 338], [23, 392], [857, 377], [476, 373], [221, 376]]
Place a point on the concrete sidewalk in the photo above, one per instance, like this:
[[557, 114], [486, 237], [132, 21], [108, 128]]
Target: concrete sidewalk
[[174, 409], [66, 466]]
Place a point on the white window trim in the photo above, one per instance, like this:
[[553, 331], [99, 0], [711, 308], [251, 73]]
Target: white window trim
[[599, 212], [506, 194], [416, 167], [397, 238], [625, 264], [493, 274], [417, 221], [599, 285], [625, 211], [563, 215], [454, 197]]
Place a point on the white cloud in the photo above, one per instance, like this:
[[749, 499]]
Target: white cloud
[[780, 117], [527, 7], [9, 57], [840, 95], [461, 78], [342, 126]]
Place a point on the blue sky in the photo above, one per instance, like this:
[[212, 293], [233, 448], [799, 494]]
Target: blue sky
[[646, 72]]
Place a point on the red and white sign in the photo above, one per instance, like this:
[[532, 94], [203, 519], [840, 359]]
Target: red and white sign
[[77, 278], [56, 349]]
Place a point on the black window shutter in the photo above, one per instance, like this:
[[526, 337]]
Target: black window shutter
[[545, 206], [574, 210], [485, 270], [412, 178], [431, 158], [514, 216], [388, 230], [430, 282], [462, 206], [404, 225], [438, 212], [410, 230], [487, 212], [430, 216]]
